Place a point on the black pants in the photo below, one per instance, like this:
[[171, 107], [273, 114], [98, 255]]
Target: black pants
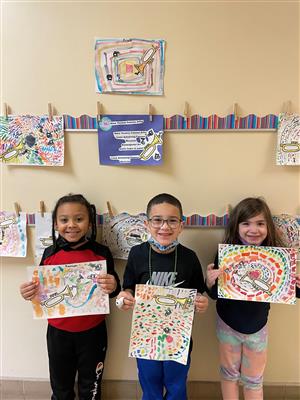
[[72, 352]]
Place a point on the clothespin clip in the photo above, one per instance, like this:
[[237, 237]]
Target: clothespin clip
[[110, 212], [99, 111], [5, 110], [150, 113], [42, 208], [236, 111], [50, 111], [186, 111], [17, 209]]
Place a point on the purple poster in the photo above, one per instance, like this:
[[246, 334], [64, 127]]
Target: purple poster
[[130, 139]]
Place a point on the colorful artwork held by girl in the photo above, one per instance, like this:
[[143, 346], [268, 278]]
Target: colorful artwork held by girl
[[288, 140], [13, 238], [43, 234], [123, 231], [130, 66], [32, 140], [130, 139], [162, 323], [257, 273], [69, 290]]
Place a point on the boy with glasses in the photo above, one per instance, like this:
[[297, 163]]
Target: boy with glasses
[[163, 261]]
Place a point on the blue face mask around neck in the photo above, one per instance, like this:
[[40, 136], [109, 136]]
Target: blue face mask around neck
[[160, 247]]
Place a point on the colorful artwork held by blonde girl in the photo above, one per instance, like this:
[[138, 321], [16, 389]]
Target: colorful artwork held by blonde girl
[[69, 290], [162, 323], [257, 273], [32, 140], [13, 239]]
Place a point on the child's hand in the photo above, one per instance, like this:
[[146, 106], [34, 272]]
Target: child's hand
[[211, 275], [107, 282], [128, 300], [298, 280], [29, 290], [201, 303]]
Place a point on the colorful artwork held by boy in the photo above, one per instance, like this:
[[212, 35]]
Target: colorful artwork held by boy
[[69, 290], [257, 273], [130, 66], [130, 140], [32, 140], [13, 238], [123, 231], [288, 141], [162, 323], [43, 234]]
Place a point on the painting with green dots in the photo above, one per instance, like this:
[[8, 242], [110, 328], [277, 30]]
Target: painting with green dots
[[162, 323]]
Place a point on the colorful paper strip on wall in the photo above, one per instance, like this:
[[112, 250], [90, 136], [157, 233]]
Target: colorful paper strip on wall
[[13, 238], [131, 66], [162, 323], [43, 234], [69, 290], [130, 139], [32, 140], [123, 231], [257, 273], [288, 141]]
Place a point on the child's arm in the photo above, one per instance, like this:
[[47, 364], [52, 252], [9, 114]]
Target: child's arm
[[29, 290], [107, 282], [201, 303], [126, 300], [211, 275]]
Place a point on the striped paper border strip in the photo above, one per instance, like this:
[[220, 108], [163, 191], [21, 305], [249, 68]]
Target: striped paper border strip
[[192, 221], [196, 122]]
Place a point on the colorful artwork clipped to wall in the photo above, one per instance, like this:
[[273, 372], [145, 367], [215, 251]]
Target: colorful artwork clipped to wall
[[196, 122], [131, 66], [13, 238], [257, 273], [43, 234], [130, 140], [288, 141], [32, 140], [69, 290], [162, 323], [288, 227], [123, 231]]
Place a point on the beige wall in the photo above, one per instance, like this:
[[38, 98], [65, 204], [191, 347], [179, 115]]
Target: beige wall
[[217, 53]]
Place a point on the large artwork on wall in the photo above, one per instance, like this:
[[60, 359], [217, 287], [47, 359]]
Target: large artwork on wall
[[13, 238], [257, 273], [32, 140], [288, 140], [162, 323], [131, 66], [69, 290]]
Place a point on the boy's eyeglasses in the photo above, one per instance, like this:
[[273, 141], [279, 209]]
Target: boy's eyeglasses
[[158, 222]]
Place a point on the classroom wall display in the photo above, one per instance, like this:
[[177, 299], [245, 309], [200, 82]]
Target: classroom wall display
[[162, 323], [43, 234], [69, 290], [131, 66], [123, 231], [257, 273], [196, 122], [32, 140], [13, 237], [288, 139], [130, 139]]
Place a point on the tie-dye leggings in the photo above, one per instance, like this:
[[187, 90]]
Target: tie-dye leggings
[[243, 357]]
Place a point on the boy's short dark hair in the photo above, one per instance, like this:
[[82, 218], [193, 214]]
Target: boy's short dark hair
[[164, 198]]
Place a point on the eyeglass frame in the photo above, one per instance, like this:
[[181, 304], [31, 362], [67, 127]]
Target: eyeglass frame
[[163, 221]]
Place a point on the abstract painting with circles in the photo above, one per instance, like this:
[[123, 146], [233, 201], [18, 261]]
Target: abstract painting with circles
[[162, 323], [257, 273], [130, 66]]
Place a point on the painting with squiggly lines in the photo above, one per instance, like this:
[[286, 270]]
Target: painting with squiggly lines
[[32, 140], [257, 273], [288, 139], [123, 231], [13, 238], [162, 323], [69, 290]]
